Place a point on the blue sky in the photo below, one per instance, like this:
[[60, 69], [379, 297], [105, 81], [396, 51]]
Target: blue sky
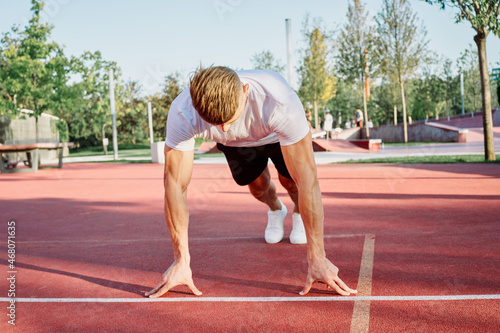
[[150, 39]]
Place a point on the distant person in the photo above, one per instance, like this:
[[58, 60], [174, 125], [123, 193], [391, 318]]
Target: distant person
[[253, 116], [359, 117], [328, 124], [309, 118], [369, 123]]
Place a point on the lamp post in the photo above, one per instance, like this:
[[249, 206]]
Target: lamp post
[[113, 112], [462, 90], [289, 65]]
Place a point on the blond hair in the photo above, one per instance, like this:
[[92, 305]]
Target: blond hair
[[215, 93]]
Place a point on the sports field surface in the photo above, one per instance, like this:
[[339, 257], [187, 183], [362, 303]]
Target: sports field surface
[[419, 242]]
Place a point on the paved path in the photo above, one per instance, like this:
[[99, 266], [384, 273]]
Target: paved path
[[473, 146]]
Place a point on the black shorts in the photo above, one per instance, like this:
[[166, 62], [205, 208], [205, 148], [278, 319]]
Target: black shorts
[[248, 163]]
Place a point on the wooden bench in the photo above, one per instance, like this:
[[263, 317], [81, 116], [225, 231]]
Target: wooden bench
[[32, 153]]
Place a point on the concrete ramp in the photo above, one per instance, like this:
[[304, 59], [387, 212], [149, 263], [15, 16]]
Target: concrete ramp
[[318, 145], [469, 120], [337, 145]]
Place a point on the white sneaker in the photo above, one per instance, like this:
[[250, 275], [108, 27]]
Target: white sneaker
[[298, 234], [274, 230]]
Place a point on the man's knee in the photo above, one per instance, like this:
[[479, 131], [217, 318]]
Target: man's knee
[[287, 183], [260, 185]]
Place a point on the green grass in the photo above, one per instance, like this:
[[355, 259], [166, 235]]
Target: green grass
[[131, 149], [427, 159], [126, 150], [124, 153], [121, 153], [142, 151], [198, 156], [123, 161]]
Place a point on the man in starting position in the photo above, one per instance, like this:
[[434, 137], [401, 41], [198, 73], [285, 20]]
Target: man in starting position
[[253, 116]]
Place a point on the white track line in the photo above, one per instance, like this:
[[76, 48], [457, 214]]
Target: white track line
[[143, 240], [360, 321], [258, 299]]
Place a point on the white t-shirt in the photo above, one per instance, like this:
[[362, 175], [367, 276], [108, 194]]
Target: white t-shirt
[[273, 113], [328, 125]]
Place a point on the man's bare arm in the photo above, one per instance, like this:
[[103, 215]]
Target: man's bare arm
[[299, 159], [176, 177]]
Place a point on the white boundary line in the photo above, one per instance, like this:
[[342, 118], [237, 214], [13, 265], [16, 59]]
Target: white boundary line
[[360, 321], [139, 240], [258, 299]]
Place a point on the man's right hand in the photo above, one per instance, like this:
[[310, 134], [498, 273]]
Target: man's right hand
[[177, 274], [324, 271], [177, 174]]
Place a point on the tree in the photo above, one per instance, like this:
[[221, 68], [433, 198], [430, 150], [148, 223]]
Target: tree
[[355, 37], [468, 65], [429, 94], [498, 88], [266, 60], [483, 15], [34, 68], [161, 103], [6, 100], [87, 111], [451, 84], [317, 84], [387, 98], [35, 74], [131, 117], [344, 103], [401, 45]]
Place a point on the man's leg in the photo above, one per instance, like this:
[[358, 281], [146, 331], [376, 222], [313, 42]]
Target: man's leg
[[298, 234], [246, 163], [264, 190], [292, 190]]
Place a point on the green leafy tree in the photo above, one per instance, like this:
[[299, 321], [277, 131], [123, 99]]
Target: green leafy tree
[[7, 96], [131, 117], [468, 65], [451, 85], [317, 83], [387, 97], [266, 60], [9, 44], [353, 43], [88, 110], [429, 94], [483, 15], [498, 89], [401, 45], [33, 67], [343, 103], [354, 38], [161, 104]]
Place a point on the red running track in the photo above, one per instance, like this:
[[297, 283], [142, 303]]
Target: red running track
[[97, 231]]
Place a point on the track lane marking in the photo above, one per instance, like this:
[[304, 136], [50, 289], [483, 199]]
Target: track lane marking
[[260, 299], [141, 240], [360, 321]]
